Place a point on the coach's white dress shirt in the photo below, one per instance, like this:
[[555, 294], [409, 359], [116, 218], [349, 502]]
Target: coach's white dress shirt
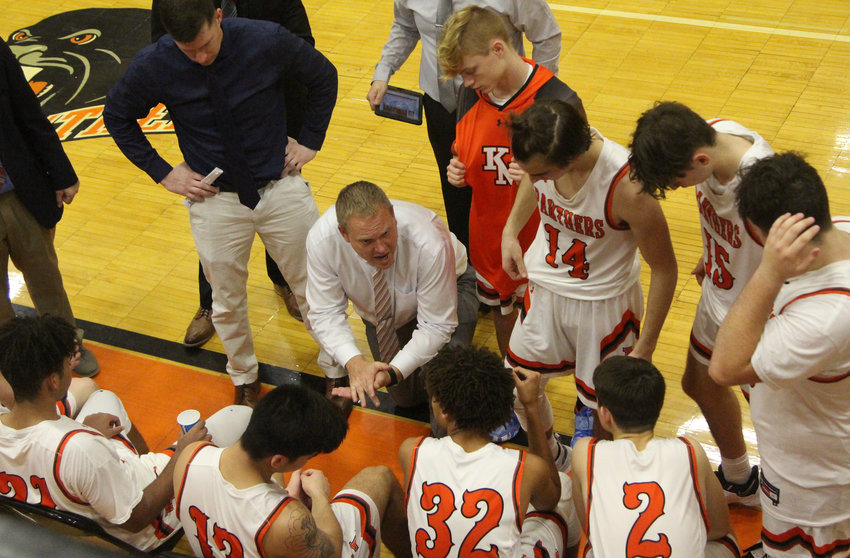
[[422, 280]]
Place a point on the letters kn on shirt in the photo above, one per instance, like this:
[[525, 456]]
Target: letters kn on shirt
[[384, 328]]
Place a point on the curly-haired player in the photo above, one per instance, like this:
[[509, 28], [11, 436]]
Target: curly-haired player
[[471, 393]]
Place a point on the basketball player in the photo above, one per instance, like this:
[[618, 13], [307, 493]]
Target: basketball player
[[89, 466], [496, 82], [648, 496], [789, 334], [673, 147], [585, 301], [459, 484], [78, 393], [230, 504]]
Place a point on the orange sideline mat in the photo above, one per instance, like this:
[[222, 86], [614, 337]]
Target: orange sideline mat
[[155, 390]]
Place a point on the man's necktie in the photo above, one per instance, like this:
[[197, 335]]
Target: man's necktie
[[235, 160], [384, 328]]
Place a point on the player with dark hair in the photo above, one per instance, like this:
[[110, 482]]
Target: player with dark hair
[[674, 147], [96, 466], [291, 15], [497, 82], [224, 89], [585, 301], [787, 184], [789, 334], [232, 494], [472, 393], [647, 495]]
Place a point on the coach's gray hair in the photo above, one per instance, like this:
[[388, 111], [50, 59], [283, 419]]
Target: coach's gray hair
[[360, 199]]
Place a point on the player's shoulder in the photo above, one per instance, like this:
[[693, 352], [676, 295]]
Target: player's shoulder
[[188, 454], [292, 532]]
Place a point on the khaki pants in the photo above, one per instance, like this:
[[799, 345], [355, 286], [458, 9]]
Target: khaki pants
[[224, 230], [30, 247]]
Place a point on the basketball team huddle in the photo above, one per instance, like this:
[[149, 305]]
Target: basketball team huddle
[[549, 231]]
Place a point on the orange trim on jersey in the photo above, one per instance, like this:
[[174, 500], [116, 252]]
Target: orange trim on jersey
[[57, 463], [412, 468], [267, 523], [829, 379], [554, 518], [752, 232], [692, 460], [64, 407], [367, 531], [591, 456], [585, 390], [537, 366], [179, 495], [517, 485], [715, 121], [628, 323], [729, 542], [126, 442], [797, 537], [609, 199], [827, 291], [701, 349]]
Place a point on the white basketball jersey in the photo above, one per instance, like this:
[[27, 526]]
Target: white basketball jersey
[[220, 519], [579, 250], [645, 503], [731, 251], [66, 465], [458, 502], [800, 409]]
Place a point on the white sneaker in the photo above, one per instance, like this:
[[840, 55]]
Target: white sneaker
[[564, 458]]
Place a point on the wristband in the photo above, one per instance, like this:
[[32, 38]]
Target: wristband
[[393, 376]]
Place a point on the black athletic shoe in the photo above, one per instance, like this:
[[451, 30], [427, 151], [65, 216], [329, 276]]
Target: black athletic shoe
[[746, 494]]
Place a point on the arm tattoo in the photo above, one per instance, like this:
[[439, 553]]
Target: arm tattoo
[[304, 537]]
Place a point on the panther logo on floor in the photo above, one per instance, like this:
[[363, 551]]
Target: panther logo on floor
[[72, 59]]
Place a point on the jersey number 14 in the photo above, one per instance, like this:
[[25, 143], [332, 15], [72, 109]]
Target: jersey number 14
[[575, 256]]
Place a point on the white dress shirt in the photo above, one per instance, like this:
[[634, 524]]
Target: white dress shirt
[[423, 279], [417, 19]]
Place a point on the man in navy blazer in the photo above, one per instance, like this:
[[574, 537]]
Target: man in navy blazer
[[36, 180]]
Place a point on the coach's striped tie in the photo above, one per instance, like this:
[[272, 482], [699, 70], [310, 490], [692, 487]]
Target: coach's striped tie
[[384, 328]]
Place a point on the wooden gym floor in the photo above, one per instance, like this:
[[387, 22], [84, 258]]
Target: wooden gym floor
[[777, 66]]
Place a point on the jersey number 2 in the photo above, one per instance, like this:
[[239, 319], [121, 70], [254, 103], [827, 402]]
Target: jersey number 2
[[636, 545], [438, 501], [575, 255]]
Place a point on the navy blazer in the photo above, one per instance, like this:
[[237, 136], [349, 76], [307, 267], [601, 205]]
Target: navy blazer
[[30, 150]]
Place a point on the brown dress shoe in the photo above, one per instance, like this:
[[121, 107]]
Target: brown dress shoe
[[200, 329], [247, 394], [344, 404], [284, 292]]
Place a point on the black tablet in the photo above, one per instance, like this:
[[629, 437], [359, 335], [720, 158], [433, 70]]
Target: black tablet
[[401, 104]]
